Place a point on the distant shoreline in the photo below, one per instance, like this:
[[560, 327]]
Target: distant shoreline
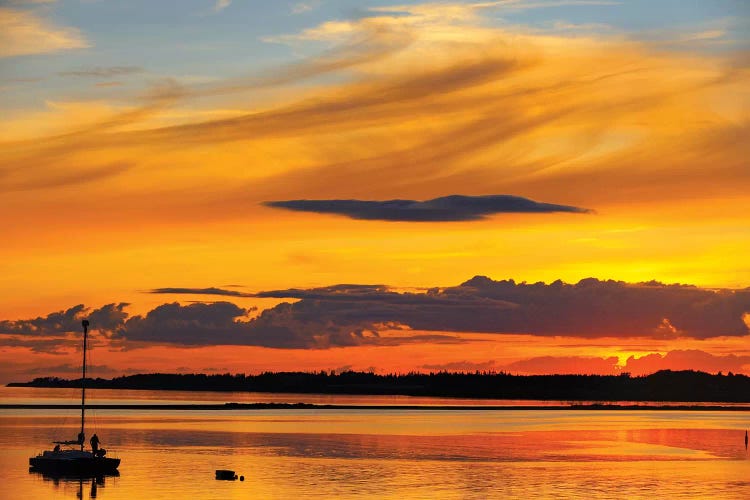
[[310, 406], [660, 387]]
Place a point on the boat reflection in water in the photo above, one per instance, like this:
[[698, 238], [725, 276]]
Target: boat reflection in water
[[96, 481]]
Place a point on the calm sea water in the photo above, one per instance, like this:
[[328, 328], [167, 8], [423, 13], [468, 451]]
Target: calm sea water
[[380, 454]]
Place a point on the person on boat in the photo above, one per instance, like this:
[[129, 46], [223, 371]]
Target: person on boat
[[94, 444], [81, 437], [745, 439], [57, 448]]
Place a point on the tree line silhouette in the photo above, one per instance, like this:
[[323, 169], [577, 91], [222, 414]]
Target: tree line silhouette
[[665, 385]]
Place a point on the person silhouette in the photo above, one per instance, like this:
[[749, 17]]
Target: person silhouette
[[745, 439], [94, 444]]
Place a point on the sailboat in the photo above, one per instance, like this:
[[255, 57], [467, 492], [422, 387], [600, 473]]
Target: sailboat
[[75, 460]]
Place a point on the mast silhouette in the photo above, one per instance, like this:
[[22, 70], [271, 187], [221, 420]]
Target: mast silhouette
[[82, 436], [73, 461]]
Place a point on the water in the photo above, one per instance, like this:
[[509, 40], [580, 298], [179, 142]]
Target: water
[[401, 454]]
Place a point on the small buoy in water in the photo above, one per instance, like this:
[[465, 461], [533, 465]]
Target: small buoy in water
[[242, 478]]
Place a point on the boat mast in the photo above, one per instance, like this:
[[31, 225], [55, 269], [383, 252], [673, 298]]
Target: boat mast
[[85, 324]]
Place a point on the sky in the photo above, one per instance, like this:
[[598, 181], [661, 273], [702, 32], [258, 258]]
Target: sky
[[530, 186]]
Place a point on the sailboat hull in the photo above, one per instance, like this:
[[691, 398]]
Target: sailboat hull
[[75, 465]]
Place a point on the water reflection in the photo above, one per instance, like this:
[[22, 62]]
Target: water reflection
[[41, 396], [90, 483], [395, 455]]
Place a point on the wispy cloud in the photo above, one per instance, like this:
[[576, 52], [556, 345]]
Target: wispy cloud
[[456, 11], [494, 109], [108, 84], [64, 177], [221, 5], [102, 72], [29, 2], [23, 33], [302, 7]]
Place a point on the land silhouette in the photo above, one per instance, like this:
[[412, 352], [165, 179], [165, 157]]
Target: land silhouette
[[665, 385]]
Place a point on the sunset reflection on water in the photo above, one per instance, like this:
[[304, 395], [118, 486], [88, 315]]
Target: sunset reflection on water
[[392, 454]]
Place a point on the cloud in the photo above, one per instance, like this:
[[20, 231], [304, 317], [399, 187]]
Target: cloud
[[12, 370], [447, 208], [57, 345], [102, 71], [352, 315], [588, 309], [26, 181], [201, 291], [689, 359], [550, 365], [463, 10], [28, 2], [41, 160], [223, 323], [193, 324], [675, 360], [105, 318], [71, 370], [221, 5], [493, 109], [333, 292], [302, 7], [23, 33], [59, 332], [462, 366]]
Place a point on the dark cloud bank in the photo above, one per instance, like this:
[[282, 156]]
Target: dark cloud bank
[[349, 315], [445, 209]]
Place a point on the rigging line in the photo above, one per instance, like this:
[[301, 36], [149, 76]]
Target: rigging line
[[94, 424], [67, 422], [65, 425]]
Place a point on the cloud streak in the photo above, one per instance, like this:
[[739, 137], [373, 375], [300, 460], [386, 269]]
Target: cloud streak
[[474, 115], [221, 5], [201, 291], [444, 209], [302, 7], [103, 71], [24, 33]]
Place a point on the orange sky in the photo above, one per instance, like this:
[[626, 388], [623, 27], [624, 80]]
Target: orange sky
[[107, 195]]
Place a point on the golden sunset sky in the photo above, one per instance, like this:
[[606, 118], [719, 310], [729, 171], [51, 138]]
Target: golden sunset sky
[[153, 159]]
